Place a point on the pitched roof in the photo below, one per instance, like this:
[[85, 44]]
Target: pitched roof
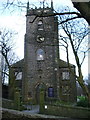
[[18, 64], [64, 64]]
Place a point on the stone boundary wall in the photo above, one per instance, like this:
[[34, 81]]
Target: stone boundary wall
[[9, 114], [7, 103], [66, 111]]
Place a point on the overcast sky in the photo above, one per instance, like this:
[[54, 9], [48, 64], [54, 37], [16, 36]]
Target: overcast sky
[[16, 20]]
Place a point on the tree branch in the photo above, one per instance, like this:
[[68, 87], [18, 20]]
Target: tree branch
[[70, 19], [42, 14]]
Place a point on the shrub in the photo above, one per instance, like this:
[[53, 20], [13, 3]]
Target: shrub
[[82, 101]]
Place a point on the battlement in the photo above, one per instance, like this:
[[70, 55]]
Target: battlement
[[39, 11]]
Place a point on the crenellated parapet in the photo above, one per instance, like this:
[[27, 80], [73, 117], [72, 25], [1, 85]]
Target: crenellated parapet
[[39, 10]]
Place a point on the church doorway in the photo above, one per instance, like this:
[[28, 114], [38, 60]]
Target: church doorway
[[39, 88]]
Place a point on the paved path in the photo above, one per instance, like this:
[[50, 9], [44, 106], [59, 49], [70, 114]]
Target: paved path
[[32, 109]]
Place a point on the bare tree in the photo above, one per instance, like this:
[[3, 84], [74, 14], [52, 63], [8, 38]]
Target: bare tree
[[75, 33], [7, 50]]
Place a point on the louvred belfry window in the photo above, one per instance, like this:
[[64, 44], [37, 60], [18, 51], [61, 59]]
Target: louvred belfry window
[[40, 25]]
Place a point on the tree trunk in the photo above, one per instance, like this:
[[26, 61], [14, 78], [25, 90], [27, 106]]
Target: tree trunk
[[80, 76], [84, 87]]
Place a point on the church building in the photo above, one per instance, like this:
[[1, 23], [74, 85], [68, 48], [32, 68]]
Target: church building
[[42, 68]]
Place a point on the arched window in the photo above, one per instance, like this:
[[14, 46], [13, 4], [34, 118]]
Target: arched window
[[40, 54], [40, 22]]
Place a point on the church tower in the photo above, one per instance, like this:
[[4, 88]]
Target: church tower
[[41, 53]]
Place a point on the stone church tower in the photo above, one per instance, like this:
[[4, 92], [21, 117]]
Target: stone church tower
[[41, 68], [41, 52]]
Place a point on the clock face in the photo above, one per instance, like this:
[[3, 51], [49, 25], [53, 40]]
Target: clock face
[[40, 38]]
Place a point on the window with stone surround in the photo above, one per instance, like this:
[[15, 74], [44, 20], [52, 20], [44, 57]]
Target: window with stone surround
[[18, 75], [40, 55], [65, 90], [65, 75]]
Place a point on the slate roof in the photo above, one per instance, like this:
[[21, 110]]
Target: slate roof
[[64, 64], [18, 64]]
